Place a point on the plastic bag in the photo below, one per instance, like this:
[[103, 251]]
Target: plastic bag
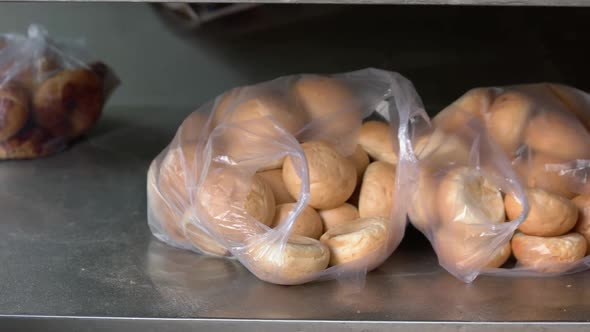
[[531, 145], [206, 194], [50, 93]]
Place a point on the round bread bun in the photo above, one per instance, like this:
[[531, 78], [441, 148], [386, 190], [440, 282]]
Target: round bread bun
[[332, 177], [344, 214], [574, 100], [377, 190], [465, 196], [463, 247], [549, 214], [583, 224], [291, 263], [533, 171], [375, 138], [559, 135], [193, 128], [200, 239], [439, 148], [29, 144], [455, 117], [69, 103], [14, 110], [308, 223], [507, 119], [274, 178], [39, 69], [548, 254], [178, 174], [356, 240], [322, 96], [361, 160], [423, 208]]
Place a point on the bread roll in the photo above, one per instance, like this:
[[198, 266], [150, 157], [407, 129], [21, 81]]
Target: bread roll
[[549, 214], [356, 240], [533, 170], [294, 262], [583, 223], [423, 205], [308, 223], [376, 139], [472, 104], [69, 103], [193, 128], [548, 254], [30, 143], [439, 149], [360, 160], [178, 174], [465, 196], [200, 239], [575, 101], [322, 97], [559, 135], [332, 177], [507, 119], [377, 190], [14, 110], [274, 178], [37, 71], [344, 214]]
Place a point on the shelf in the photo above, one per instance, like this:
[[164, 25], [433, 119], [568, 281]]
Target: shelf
[[77, 256]]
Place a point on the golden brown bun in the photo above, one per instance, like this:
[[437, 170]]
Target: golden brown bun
[[14, 110], [200, 239], [472, 104], [548, 254], [583, 224], [35, 73], [423, 205], [322, 96], [375, 138], [361, 160], [507, 119], [69, 103], [377, 191], [287, 264], [574, 100], [465, 196], [341, 215], [274, 178], [260, 202], [534, 173], [559, 135], [332, 177], [356, 240], [439, 148], [178, 172], [549, 214], [29, 144], [308, 224]]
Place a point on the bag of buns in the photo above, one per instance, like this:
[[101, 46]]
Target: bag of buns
[[51, 93], [285, 177], [513, 197]]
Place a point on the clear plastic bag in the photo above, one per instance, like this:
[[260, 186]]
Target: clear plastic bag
[[205, 192], [50, 93], [525, 149]]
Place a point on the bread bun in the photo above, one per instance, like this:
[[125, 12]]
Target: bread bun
[[69, 103], [178, 174], [193, 128], [356, 240], [200, 239], [291, 263], [30, 143], [548, 254], [574, 100], [322, 96], [423, 208], [549, 214], [583, 224], [37, 71], [534, 173], [377, 190], [472, 104], [344, 214], [375, 138], [14, 110], [507, 120], [559, 135], [274, 178], [308, 223], [360, 160], [439, 148], [465, 196], [332, 177]]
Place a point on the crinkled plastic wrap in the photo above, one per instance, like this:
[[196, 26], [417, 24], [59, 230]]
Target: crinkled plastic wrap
[[501, 187], [50, 93], [205, 192]]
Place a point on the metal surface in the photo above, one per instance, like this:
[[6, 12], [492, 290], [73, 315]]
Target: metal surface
[[77, 255]]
